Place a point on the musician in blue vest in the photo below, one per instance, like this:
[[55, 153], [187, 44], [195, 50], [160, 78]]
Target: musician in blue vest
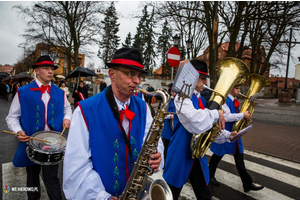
[[39, 106], [232, 115], [169, 124], [107, 133], [193, 118]]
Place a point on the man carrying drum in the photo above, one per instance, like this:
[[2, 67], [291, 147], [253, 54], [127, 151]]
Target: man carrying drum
[[39, 106]]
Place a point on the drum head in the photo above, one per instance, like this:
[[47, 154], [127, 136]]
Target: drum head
[[55, 143]]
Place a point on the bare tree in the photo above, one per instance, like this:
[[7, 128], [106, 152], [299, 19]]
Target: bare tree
[[70, 24]]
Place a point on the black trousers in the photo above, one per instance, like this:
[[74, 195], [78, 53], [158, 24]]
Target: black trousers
[[240, 165], [201, 190], [50, 180], [166, 145]]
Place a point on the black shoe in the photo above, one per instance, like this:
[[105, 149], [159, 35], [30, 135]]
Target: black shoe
[[214, 181], [253, 187]]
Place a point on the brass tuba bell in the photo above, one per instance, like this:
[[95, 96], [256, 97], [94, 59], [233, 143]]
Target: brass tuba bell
[[231, 72], [257, 83]]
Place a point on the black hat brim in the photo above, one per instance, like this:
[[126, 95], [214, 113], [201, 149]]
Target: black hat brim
[[109, 65], [55, 66], [206, 76]]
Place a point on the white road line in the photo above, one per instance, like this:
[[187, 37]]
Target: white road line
[[273, 159], [266, 171], [235, 182]]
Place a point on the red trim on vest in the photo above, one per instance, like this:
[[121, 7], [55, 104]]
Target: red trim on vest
[[127, 62], [45, 62], [202, 72], [78, 104]]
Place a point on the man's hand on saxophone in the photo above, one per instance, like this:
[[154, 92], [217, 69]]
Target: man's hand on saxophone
[[155, 161]]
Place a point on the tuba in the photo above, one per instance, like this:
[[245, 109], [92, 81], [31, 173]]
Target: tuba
[[257, 83], [135, 187], [231, 72]]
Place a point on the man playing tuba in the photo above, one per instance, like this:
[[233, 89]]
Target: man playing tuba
[[193, 118], [232, 115]]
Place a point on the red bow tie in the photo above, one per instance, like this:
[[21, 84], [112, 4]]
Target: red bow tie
[[236, 104], [128, 113], [43, 89]]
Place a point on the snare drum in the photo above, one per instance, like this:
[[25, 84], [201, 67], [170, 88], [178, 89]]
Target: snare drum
[[45, 153]]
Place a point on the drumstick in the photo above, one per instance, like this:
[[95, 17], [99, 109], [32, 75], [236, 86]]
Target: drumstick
[[62, 132], [33, 138]]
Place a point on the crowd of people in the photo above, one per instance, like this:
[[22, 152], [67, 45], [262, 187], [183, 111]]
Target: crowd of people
[[108, 129]]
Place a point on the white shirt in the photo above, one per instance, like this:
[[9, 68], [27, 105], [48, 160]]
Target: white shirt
[[231, 117], [13, 118], [80, 180], [198, 121]]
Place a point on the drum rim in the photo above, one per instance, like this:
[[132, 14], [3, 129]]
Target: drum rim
[[30, 142]]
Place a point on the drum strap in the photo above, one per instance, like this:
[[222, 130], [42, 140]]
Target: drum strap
[[113, 106]]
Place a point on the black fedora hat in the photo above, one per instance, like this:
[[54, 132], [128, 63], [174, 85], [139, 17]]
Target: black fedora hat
[[44, 61], [201, 67], [127, 57]]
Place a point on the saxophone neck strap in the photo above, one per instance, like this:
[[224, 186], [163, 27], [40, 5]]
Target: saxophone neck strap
[[114, 108]]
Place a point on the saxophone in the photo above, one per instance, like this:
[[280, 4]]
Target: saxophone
[[231, 72], [135, 187], [257, 83]]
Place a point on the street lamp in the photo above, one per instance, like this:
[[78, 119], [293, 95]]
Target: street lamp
[[176, 40], [23, 46], [189, 43], [49, 10]]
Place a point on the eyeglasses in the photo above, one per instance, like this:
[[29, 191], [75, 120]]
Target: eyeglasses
[[132, 74]]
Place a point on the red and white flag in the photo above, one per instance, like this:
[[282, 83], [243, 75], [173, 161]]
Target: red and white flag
[[81, 95]]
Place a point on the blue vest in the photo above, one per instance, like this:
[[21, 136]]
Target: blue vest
[[110, 156], [33, 116], [167, 132], [139, 95], [179, 160], [228, 148]]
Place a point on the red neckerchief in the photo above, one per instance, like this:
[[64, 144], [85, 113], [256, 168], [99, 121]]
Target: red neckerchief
[[128, 113], [43, 89], [236, 105], [200, 103]]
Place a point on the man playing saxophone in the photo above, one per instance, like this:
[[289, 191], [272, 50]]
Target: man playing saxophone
[[107, 133], [232, 115], [193, 118]]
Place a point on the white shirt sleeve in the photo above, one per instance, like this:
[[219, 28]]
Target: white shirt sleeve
[[67, 109], [80, 180], [223, 137], [231, 117], [14, 114], [195, 121]]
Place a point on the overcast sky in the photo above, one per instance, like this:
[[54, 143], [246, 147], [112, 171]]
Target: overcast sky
[[11, 28]]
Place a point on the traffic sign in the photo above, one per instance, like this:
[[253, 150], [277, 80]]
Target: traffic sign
[[173, 56]]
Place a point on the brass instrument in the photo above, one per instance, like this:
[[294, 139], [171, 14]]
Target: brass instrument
[[135, 187], [257, 83], [231, 72]]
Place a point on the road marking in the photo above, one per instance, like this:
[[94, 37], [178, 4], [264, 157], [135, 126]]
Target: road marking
[[235, 182], [266, 171]]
